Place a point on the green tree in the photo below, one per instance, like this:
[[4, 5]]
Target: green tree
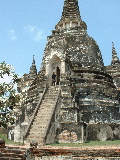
[[8, 96]]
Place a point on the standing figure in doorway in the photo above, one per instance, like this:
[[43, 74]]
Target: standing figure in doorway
[[53, 79]]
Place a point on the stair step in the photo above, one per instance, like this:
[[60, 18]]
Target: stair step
[[34, 138], [49, 103], [42, 118], [34, 129], [37, 127], [43, 106], [38, 133], [44, 110], [11, 155], [46, 107], [50, 98], [51, 95], [38, 124], [8, 150], [41, 113]]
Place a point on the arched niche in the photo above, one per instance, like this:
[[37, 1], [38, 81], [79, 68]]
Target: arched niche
[[54, 66]]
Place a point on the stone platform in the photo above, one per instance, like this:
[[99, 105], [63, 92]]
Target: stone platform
[[76, 154], [61, 153]]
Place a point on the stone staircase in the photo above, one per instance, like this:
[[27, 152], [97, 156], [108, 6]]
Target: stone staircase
[[12, 153], [42, 120]]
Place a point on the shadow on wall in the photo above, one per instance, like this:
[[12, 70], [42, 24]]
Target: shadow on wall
[[103, 132]]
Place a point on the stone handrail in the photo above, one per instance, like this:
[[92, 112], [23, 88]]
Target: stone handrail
[[47, 129], [35, 112]]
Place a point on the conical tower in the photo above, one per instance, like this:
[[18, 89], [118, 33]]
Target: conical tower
[[33, 70], [115, 59], [70, 10]]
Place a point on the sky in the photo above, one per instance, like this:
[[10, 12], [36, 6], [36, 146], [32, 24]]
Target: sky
[[25, 25]]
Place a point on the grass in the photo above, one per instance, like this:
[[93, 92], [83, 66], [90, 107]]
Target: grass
[[3, 136], [90, 143]]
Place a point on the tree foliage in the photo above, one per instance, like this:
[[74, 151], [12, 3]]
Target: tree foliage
[[8, 96]]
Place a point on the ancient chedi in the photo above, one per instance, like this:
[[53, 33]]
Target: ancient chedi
[[84, 104]]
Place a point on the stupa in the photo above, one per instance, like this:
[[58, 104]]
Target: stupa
[[84, 103]]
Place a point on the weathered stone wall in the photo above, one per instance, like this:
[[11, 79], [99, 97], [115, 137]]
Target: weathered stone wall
[[103, 132], [96, 96]]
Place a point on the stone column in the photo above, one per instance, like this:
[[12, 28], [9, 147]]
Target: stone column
[[82, 133], [64, 25], [47, 73], [47, 68], [70, 23], [62, 67]]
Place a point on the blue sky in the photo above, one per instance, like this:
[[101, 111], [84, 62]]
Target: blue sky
[[25, 25]]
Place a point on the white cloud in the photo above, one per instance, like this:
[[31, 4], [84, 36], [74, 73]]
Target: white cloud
[[12, 34], [13, 37], [35, 32], [39, 36], [30, 29]]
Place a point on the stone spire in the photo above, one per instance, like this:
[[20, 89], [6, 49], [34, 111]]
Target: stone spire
[[115, 59], [33, 70], [70, 10], [70, 16]]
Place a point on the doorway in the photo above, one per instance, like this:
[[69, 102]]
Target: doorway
[[54, 66], [57, 75]]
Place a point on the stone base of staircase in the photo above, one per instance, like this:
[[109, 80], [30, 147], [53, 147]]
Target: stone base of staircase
[[42, 120]]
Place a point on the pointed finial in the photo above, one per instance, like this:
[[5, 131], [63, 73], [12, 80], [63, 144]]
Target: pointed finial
[[112, 45], [115, 59], [33, 59]]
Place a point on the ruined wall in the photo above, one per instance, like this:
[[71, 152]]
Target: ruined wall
[[72, 133]]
